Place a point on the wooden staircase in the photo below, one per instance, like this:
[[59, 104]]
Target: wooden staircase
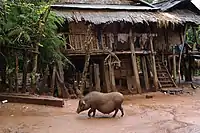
[[164, 77]]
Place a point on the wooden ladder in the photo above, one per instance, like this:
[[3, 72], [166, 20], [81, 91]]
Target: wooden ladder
[[164, 77]]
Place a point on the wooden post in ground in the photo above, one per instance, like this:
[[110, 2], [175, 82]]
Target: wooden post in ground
[[134, 64], [96, 77], [107, 80], [174, 63], [155, 77], [145, 73], [91, 78], [111, 75]]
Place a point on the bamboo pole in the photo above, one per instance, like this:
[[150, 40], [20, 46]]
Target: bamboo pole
[[134, 64], [155, 77]]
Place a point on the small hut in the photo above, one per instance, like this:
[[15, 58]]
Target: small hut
[[119, 45]]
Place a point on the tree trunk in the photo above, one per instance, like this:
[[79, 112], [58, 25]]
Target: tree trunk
[[16, 73], [134, 63], [84, 74], [34, 71], [53, 80], [181, 52], [25, 67], [155, 77], [61, 82]]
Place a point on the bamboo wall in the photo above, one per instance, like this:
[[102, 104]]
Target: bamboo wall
[[78, 36], [166, 38]]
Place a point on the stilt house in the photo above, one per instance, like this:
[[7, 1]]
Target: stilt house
[[118, 45]]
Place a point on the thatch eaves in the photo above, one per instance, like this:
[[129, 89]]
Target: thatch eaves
[[99, 17]]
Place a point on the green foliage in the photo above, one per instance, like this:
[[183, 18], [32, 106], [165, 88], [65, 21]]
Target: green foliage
[[190, 36], [26, 23]]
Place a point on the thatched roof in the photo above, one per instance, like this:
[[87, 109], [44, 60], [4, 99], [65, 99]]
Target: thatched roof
[[99, 16]]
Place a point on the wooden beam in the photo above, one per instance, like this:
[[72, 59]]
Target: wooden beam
[[103, 52], [23, 98], [155, 77], [145, 73], [134, 64]]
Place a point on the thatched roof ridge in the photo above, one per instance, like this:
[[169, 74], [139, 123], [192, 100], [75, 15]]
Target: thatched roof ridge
[[98, 17], [106, 2], [101, 7]]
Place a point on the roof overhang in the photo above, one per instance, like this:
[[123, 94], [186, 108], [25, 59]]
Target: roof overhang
[[99, 17]]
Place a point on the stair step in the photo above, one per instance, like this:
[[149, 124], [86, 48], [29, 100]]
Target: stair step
[[164, 80], [168, 81], [167, 85]]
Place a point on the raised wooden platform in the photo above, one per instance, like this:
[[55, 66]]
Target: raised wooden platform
[[31, 99]]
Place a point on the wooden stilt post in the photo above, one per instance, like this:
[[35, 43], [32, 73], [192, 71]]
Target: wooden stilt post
[[91, 78], [155, 77], [111, 75], [107, 80], [96, 77], [134, 64], [174, 64], [144, 67]]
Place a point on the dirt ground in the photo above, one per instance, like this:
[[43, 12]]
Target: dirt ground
[[161, 114]]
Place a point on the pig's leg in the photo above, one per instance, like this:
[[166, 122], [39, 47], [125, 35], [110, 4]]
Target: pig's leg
[[116, 110], [89, 112], [122, 111], [94, 112]]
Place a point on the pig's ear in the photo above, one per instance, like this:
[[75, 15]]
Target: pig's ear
[[83, 102]]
